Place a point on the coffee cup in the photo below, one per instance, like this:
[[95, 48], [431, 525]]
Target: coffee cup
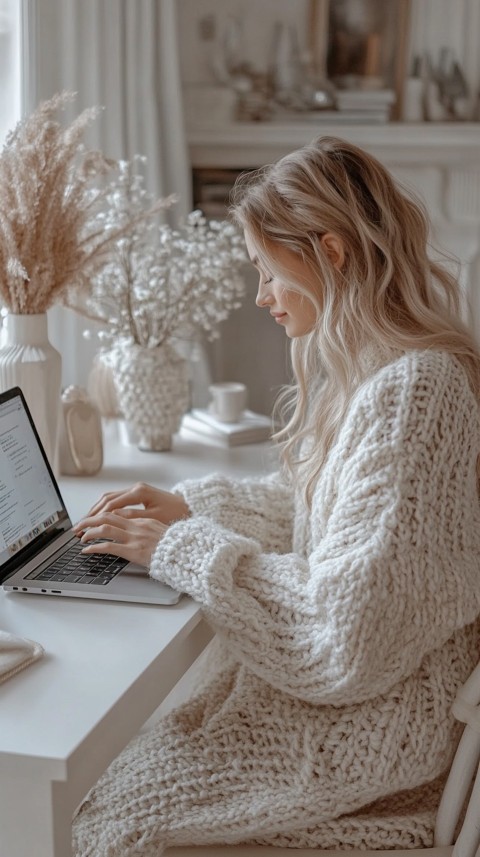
[[228, 401]]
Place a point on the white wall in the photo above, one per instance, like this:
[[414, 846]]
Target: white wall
[[257, 18], [443, 23]]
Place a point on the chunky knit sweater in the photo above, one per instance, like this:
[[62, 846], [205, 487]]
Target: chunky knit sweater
[[342, 635]]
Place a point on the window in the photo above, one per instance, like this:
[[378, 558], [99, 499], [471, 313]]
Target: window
[[10, 78]]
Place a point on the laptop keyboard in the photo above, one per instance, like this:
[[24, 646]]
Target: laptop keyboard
[[74, 567]]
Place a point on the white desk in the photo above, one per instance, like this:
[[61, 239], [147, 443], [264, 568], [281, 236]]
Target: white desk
[[107, 665]]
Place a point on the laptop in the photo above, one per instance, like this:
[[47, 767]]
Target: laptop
[[39, 552]]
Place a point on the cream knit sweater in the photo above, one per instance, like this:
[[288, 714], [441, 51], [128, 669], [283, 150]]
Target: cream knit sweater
[[342, 635]]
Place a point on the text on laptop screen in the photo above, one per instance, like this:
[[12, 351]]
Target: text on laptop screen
[[29, 502]]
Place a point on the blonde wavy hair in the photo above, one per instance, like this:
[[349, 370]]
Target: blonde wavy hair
[[388, 297]]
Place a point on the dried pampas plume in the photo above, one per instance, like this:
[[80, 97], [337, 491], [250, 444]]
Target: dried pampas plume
[[51, 189]]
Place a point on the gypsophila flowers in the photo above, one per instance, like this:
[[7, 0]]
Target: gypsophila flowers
[[163, 282]]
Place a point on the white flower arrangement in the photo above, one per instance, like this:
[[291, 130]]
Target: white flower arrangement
[[163, 283]]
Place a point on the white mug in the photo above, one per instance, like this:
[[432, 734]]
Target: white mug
[[228, 401]]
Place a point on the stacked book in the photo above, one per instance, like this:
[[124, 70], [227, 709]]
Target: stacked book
[[251, 428], [354, 106], [374, 105]]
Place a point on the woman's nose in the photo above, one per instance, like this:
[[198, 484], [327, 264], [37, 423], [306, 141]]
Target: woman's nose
[[264, 298]]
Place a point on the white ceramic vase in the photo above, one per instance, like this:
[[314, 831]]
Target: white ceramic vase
[[153, 391], [28, 360]]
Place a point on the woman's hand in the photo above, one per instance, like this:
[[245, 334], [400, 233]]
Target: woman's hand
[[160, 505], [130, 533], [133, 539]]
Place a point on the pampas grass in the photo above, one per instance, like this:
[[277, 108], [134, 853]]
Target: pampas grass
[[51, 189]]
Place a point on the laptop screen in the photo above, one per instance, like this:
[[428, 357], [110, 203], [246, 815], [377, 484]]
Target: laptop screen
[[30, 503]]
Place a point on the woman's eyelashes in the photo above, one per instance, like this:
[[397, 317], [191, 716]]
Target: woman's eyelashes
[[265, 279]]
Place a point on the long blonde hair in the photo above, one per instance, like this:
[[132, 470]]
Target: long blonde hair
[[389, 296]]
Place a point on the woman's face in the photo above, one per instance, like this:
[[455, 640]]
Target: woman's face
[[294, 311]]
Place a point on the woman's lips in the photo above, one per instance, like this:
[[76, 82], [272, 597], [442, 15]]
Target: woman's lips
[[278, 316]]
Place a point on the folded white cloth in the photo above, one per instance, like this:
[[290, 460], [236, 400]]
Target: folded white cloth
[[16, 653]]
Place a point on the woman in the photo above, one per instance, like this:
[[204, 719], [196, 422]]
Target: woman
[[344, 589]]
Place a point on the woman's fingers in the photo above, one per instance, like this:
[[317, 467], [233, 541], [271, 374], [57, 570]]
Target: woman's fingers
[[113, 518], [106, 526], [130, 512], [114, 548], [139, 501], [115, 500], [133, 539]]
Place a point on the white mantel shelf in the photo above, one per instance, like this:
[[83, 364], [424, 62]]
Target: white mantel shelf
[[251, 144]]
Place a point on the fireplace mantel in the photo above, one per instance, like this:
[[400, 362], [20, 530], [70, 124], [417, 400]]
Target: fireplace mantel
[[251, 144]]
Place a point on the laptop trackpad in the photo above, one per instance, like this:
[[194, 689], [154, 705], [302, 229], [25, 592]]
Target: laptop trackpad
[[133, 570], [134, 579]]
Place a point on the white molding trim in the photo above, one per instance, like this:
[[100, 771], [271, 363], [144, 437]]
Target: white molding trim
[[245, 144]]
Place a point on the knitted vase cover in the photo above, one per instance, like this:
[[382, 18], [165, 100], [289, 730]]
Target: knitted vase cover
[[152, 386]]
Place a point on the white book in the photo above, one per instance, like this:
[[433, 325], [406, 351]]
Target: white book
[[248, 420], [358, 98], [252, 428]]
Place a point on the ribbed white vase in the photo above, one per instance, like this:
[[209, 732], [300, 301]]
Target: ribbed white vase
[[28, 360], [101, 386]]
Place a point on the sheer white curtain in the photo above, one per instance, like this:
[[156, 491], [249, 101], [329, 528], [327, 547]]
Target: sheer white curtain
[[120, 54], [10, 86]]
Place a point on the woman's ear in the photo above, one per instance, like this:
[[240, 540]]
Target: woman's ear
[[333, 247]]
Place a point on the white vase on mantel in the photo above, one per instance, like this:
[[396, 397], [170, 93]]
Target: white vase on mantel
[[29, 361]]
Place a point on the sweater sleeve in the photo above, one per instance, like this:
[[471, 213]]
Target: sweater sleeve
[[260, 508], [393, 572]]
